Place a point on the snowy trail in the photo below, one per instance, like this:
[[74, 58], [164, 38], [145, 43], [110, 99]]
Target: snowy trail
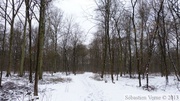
[[91, 91], [84, 88]]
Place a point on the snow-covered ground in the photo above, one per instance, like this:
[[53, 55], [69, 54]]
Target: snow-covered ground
[[90, 87]]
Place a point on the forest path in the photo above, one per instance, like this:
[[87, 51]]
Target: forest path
[[84, 88], [86, 84]]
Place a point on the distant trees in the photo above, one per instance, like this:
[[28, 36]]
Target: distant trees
[[96, 52], [65, 44], [148, 24], [76, 43], [70, 40]]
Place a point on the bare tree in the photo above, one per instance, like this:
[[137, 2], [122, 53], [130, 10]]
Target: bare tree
[[104, 7], [117, 12], [29, 18], [68, 30], [162, 35], [41, 32], [55, 21], [133, 3], [127, 27], [24, 39], [15, 6], [143, 10], [4, 37], [101, 8], [151, 36], [176, 23]]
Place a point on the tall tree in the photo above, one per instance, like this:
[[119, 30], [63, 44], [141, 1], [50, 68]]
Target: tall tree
[[127, 28], [104, 7], [15, 6], [162, 35], [143, 10], [133, 3], [24, 39], [68, 30], [41, 32], [55, 21], [29, 18], [172, 5], [117, 12], [3, 44]]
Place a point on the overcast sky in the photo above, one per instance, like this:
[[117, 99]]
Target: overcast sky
[[82, 11]]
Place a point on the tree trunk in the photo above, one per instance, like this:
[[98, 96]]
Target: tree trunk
[[30, 41], [135, 40], [55, 50], [120, 50], [10, 48], [164, 45], [74, 59], [141, 45], [3, 44], [104, 56], [172, 62], [24, 42], [107, 20], [130, 57], [38, 73], [30, 52]]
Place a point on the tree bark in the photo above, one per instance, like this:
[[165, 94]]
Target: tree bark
[[41, 32], [10, 48], [30, 39], [3, 44], [24, 41], [135, 40]]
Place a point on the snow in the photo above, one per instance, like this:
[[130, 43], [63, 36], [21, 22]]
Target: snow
[[90, 87], [84, 88]]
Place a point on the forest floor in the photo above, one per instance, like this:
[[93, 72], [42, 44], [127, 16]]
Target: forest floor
[[90, 87]]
